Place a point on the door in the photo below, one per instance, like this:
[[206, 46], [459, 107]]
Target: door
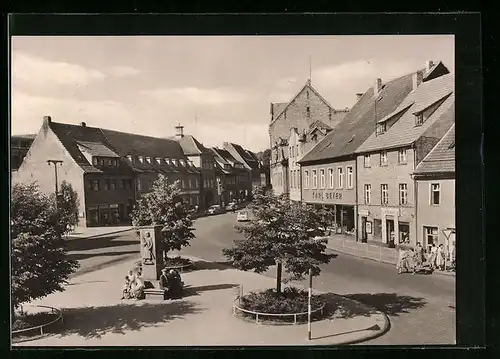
[[389, 225], [364, 236]]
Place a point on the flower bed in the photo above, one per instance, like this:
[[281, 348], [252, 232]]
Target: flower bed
[[291, 306], [32, 320], [35, 323], [172, 262]]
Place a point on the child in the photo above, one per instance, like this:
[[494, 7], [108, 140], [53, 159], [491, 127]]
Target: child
[[126, 289]]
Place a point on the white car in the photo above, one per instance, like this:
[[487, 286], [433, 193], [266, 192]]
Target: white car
[[215, 209], [242, 216]]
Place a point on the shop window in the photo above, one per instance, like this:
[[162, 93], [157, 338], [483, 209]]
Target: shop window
[[377, 228], [430, 236], [306, 179]]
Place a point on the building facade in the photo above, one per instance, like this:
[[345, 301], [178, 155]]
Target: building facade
[[251, 165], [386, 160], [306, 108], [234, 178], [109, 170], [203, 160], [435, 188]]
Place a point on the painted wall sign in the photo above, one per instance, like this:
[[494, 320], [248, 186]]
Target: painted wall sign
[[326, 195]]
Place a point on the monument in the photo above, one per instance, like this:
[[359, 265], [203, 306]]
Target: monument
[[151, 252]]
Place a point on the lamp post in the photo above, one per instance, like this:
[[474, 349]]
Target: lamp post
[[55, 163]]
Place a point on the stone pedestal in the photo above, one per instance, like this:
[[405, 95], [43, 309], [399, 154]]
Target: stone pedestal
[[151, 253]]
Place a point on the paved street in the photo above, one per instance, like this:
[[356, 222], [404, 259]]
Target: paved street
[[421, 308]]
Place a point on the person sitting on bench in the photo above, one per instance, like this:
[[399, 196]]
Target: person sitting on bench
[[163, 279]]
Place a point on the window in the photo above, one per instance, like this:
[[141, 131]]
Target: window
[[89, 185], [141, 159], [322, 178], [331, 178], [106, 184], [306, 179], [368, 193], [383, 158], [430, 236], [367, 160], [314, 179], [402, 156], [308, 110], [129, 184], [109, 162], [183, 183], [123, 184], [381, 128], [419, 119], [95, 161], [340, 177], [403, 194], [95, 185], [350, 181], [384, 197], [101, 162], [113, 185], [139, 184], [435, 194], [158, 160]]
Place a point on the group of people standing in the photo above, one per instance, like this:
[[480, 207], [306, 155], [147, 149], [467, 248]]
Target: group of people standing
[[414, 259]]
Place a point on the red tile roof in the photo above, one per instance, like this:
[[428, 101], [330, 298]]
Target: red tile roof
[[441, 159]]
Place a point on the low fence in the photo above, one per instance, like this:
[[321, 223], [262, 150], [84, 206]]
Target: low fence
[[365, 250], [39, 330], [237, 309]]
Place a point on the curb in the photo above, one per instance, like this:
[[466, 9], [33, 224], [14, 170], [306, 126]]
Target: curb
[[384, 261], [103, 234]]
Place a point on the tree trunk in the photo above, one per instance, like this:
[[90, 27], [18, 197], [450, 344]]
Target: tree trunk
[[278, 277]]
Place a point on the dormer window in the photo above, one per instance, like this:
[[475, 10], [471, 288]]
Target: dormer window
[[167, 160], [174, 161], [141, 159], [148, 159], [381, 128], [129, 157], [101, 162], [419, 119], [182, 163], [95, 161], [158, 160]]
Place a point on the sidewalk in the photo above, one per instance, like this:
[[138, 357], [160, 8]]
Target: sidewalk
[[93, 232], [374, 252], [95, 316]]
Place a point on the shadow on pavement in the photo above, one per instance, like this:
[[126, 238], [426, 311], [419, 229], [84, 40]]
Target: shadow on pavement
[[81, 256], [87, 281], [94, 322], [388, 303], [192, 291], [205, 265], [373, 327], [85, 244]]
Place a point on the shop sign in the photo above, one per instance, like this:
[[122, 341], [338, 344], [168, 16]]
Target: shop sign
[[113, 206], [92, 208], [368, 226], [327, 195]]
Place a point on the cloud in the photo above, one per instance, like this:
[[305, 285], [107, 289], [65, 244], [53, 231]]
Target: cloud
[[194, 95], [122, 71], [38, 71]]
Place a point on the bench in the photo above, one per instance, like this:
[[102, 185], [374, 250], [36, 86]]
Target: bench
[[154, 293]]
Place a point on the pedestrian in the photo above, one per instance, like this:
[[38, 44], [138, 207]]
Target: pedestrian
[[432, 256], [440, 257], [419, 254]]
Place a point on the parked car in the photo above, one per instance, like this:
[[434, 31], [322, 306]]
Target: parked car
[[215, 209], [242, 216], [232, 206]]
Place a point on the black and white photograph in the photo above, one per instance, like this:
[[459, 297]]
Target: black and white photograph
[[232, 190]]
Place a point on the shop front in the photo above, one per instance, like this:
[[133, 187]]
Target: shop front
[[388, 225], [108, 214]]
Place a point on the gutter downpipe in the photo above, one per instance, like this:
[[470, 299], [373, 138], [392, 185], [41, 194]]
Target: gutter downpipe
[[356, 219], [415, 191]]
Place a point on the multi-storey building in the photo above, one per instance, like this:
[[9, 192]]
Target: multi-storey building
[[435, 200], [203, 159], [232, 175], [329, 171], [304, 110], [109, 170], [386, 160], [19, 146], [250, 162]]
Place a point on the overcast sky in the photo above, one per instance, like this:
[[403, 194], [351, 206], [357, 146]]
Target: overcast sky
[[219, 88]]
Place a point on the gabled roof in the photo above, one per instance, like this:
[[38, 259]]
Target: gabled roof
[[307, 85], [441, 159], [278, 109], [226, 155], [404, 132], [359, 123], [250, 161], [190, 145], [97, 149], [436, 70]]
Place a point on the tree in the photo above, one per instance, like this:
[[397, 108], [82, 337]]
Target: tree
[[284, 233], [163, 206], [68, 204], [39, 259]]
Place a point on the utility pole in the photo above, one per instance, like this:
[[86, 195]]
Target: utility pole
[[55, 163]]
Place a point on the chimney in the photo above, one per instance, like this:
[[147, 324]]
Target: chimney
[[428, 65], [47, 119], [83, 124], [271, 110], [377, 87], [179, 130], [225, 144], [417, 79], [359, 95]]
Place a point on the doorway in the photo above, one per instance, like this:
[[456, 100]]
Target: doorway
[[364, 236], [389, 225]]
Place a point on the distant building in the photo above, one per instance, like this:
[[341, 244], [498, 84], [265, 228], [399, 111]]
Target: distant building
[[203, 159], [108, 169], [19, 147], [250, 162], [302, 112], [233, 177], [435, 188]]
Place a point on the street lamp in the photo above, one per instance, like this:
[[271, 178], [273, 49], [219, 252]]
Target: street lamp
[[55, 163]]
